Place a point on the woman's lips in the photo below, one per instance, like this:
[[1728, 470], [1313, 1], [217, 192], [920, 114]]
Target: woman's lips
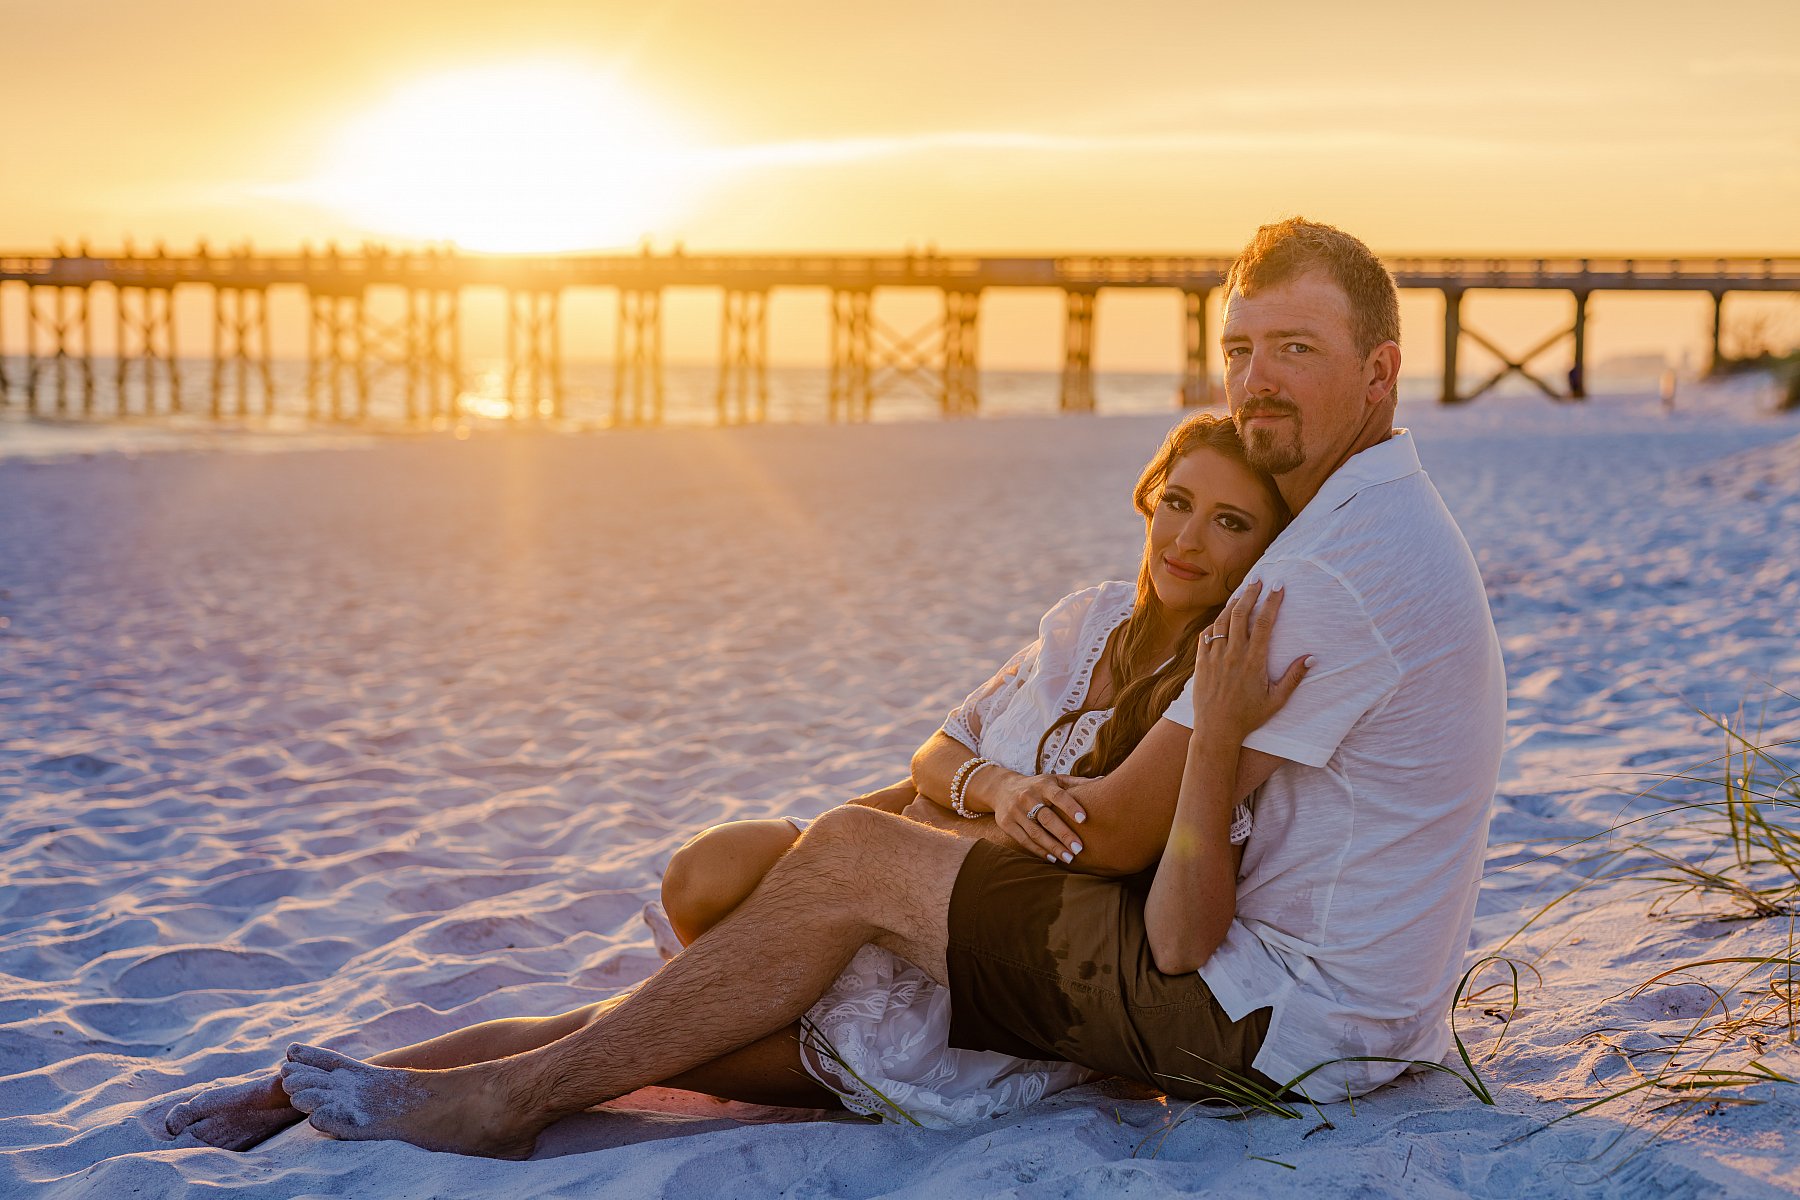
[[1182, 572]]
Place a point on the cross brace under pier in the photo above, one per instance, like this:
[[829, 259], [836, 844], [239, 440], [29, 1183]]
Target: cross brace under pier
[[1455, 330]]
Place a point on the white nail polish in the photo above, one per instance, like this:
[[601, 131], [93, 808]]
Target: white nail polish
[[1050, 858], [1076, 847], [1080, 817], [1067, 857]]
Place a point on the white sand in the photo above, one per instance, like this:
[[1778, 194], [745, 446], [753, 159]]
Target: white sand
[[360, 745]]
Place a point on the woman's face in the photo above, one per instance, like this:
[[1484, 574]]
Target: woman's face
[[1212, 521]]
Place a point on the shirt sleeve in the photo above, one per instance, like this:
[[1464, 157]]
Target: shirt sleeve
[[968, 719], [1353, 671]]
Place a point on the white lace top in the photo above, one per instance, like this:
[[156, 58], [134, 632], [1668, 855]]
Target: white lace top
[[1004, 717], [880, 1036]]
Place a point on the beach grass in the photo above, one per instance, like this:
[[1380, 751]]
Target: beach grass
[[1727, 852]]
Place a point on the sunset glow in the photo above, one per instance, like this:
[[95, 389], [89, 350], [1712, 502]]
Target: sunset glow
[[518, 157]]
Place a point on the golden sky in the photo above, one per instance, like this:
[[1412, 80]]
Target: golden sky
[[1535, 126]]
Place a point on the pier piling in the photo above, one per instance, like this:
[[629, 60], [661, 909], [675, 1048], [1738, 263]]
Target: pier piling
[[348, 342]]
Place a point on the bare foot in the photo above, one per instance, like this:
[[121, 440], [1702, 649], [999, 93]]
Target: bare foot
[[237, 1116], [453, 1110]]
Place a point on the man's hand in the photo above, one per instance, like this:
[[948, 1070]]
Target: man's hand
[[927, 811], [893, 798]]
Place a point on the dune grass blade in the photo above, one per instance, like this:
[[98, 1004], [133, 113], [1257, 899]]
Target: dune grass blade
[[814, 1038]]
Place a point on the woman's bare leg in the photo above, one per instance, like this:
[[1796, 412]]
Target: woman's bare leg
[[718, 869]]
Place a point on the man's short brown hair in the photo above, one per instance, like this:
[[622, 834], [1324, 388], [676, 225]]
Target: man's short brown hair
[[1290, 248]]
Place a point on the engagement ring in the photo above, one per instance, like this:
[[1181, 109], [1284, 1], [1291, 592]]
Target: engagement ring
[[1207, 639], [1035, 809]]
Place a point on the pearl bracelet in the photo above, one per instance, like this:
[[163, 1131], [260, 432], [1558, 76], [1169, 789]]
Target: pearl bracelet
[[959, 782]]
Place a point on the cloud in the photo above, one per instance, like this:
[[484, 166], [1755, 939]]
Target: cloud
[[1738, 66], [833, 151]]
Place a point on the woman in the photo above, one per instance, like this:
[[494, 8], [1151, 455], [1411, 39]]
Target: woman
[[1107, 663]]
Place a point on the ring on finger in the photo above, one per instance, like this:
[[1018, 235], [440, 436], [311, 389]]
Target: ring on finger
[[1207, 639], [1031, 814]]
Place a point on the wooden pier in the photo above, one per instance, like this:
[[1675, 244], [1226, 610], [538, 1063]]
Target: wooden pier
[[347, 345]]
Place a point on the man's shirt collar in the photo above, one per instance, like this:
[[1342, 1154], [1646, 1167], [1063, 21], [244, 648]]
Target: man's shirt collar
[[1384, 462]]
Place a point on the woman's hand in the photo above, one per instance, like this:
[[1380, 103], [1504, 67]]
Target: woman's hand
[[1233, 693], [1038, 812]]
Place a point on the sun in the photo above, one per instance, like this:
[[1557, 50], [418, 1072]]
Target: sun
[[538, 156]]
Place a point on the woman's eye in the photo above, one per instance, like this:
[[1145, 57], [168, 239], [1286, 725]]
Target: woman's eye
[[1176, 503], [1235, 524]]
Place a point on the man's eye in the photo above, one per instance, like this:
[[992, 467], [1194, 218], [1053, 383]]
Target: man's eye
[[1299, 347]]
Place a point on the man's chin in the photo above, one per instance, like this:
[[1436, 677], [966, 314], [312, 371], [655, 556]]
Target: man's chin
[[1265, 455]]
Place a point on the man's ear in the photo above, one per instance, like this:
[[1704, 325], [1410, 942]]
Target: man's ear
[[1381, 372]]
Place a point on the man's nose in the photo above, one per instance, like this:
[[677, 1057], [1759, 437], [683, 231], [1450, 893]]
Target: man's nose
[[1258, 379]]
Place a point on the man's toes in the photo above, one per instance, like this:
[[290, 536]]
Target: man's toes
[[318, 1056], [178, 1118]]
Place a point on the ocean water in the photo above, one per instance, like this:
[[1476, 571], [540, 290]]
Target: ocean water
[[691, 394]]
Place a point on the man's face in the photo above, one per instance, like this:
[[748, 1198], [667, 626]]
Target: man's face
[[1294, 382]]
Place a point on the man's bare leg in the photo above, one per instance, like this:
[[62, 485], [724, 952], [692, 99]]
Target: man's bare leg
[[857, 876], [241, 1115]]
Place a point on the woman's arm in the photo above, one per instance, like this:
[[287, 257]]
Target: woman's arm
[[1193, 897], [1005, 795]]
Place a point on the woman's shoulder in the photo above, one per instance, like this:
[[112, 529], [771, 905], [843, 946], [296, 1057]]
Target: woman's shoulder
[[1102, 599]]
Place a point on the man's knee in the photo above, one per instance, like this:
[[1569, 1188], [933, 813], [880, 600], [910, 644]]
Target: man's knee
[[870, 854], [851, 832]]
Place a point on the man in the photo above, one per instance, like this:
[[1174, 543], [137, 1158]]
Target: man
[[1347, 928]]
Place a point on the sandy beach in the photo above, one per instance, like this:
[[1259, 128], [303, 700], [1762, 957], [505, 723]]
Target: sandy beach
[[357, 745]]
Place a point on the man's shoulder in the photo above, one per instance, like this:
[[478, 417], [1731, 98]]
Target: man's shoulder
[[1384, 529]]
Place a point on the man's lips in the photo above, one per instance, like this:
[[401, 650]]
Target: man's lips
[[1181, 571]]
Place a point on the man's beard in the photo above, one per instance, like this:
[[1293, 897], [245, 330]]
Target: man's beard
[[1277, 450]]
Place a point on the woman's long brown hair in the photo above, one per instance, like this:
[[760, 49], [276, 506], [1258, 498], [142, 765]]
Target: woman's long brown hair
[[1140, 701]]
